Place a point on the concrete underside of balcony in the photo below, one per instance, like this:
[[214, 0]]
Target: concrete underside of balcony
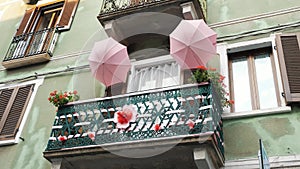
[[192, 152], [25, 61]]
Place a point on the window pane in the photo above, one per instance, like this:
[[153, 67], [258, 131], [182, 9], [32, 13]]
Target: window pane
[[155, 77], [240, 75], [265, 82]]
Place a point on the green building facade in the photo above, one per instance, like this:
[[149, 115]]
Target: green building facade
[[258, 53]]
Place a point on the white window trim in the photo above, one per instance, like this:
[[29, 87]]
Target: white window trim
[[149, 62], [39, 81], [222, 51]]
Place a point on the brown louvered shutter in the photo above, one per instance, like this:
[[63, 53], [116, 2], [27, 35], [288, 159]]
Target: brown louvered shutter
[[14, 112], [4, 99], [289, 60], [67, 14], [26, 21]]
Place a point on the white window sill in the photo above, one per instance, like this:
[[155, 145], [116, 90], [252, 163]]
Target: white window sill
[[236, 115], [8, 142]]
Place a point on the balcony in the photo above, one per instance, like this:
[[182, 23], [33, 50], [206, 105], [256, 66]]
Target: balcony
[[132, 21], [84, 133], [30, 48]]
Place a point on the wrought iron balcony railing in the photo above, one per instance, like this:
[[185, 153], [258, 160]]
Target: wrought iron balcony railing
[[91, 122], [115, 7], [24, 46]]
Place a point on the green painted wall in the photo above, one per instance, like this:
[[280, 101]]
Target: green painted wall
[[280, 134], [84, 32], [241, 136], [225, 10]]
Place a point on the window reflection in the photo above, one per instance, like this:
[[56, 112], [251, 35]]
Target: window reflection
[[265, 82], [242, 95]]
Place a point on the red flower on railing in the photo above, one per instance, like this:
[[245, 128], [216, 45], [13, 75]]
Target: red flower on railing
[[62, 138], [92, 135], [156, 127], [125, 116], [191, 124]]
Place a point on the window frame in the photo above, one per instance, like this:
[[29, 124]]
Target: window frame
[[36, 83], [253, 84], [222, 49], [29, 21]]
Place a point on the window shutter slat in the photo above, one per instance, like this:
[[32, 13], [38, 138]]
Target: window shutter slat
[[16, 113], [289, 57], [67, 14], [27, 19]]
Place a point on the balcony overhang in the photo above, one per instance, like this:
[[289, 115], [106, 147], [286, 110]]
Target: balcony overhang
[[196, 151], [25, 61]]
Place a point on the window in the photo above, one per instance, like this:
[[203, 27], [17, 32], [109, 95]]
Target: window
[[253, 80], [13, 102], [38, 32], [154, 73]]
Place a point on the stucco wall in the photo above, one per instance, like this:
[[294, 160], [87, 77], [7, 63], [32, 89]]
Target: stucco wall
[[72, 50], [227, 10], [280, 134]]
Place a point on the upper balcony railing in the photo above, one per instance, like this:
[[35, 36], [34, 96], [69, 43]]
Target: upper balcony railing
[[111, 6], [25, 48], [181, 111]]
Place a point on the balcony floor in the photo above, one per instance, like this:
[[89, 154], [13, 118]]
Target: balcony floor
[[161, 154]]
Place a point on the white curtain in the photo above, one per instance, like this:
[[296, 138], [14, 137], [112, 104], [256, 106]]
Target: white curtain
[[156, 76]]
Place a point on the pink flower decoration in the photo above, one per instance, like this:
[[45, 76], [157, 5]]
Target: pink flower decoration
[[62, 138], [157, 127], [92, 135], [191, 124], [125, 116]]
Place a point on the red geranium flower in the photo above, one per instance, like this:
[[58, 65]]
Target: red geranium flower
[[202, 67], [157, 127], [231, 101], [221, 78]]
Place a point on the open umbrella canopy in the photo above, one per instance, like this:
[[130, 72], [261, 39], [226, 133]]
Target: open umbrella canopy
[[109, 62], [192, 43]]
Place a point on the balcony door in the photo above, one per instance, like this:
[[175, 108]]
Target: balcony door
[[42, 30], [154, 73]]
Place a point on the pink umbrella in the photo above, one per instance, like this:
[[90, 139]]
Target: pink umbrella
[[192, 43], [109, 62]]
